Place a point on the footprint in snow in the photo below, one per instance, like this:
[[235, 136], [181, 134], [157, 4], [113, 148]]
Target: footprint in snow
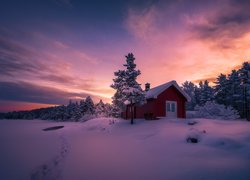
[[52, 170]]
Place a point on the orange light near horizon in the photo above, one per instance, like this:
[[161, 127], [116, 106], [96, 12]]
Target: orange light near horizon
[[8, 106]]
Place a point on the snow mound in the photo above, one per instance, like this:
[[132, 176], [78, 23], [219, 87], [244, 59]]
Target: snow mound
[[191, 122], [195, 136], [212, 110], [191, 114], [87, 117], [100, 124]]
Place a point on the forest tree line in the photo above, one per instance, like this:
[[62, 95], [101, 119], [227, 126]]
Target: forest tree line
[[83, 110], [232, 90]]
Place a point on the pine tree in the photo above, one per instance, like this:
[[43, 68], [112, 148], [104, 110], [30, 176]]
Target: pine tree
[[206, 92], [244, 74], [197, 93], [128, 90], [59, 113], [235, 91], [189, 88], [76, 112], [100, 109], [115, 111], [89, 107], [109, 110], [119, 81], [82, 106], [222, 90], [69, 110], [132, 91]]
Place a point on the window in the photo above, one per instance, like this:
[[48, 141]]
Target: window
[[168, 107], [173, 107]]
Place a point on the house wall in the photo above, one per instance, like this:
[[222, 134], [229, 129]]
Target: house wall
[[171, 94], [158, 106], [149, 107]]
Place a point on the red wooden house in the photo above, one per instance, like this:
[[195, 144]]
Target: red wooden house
[[166, 100]]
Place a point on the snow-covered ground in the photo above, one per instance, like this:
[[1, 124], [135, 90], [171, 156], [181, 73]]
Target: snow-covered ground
[[113, 149]]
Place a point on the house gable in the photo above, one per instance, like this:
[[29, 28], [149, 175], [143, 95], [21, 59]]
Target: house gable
[[156, 91], [171, 94]]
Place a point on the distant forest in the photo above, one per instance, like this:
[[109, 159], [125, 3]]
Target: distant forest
[[83, 110]]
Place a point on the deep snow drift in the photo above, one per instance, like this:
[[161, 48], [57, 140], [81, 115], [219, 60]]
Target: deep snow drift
[[107, 148]]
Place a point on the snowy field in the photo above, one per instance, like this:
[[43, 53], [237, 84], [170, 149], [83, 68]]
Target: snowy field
[[113, 149]]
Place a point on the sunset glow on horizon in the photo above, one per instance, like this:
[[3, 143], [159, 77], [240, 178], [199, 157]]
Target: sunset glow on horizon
[[55, 50]]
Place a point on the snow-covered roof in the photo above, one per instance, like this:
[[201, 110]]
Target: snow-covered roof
[[154, 92]]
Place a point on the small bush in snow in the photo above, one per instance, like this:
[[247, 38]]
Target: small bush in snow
[[191, 114], [212, 110]]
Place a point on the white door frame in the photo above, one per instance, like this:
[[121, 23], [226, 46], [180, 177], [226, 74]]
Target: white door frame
[[171, 109]]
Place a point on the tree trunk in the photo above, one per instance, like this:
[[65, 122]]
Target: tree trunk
[[248, 113], [132, 114], [246, 105]]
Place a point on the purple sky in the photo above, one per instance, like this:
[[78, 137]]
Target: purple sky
[[55, 50]]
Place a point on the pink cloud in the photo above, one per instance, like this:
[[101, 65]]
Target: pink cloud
[[168, 46]]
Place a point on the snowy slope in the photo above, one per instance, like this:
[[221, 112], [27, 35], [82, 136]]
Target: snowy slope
[[107, 148]]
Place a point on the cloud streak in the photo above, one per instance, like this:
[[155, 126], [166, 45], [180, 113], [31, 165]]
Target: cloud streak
[[27, 92], [22, 91], [15, 59], [19, 61]]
